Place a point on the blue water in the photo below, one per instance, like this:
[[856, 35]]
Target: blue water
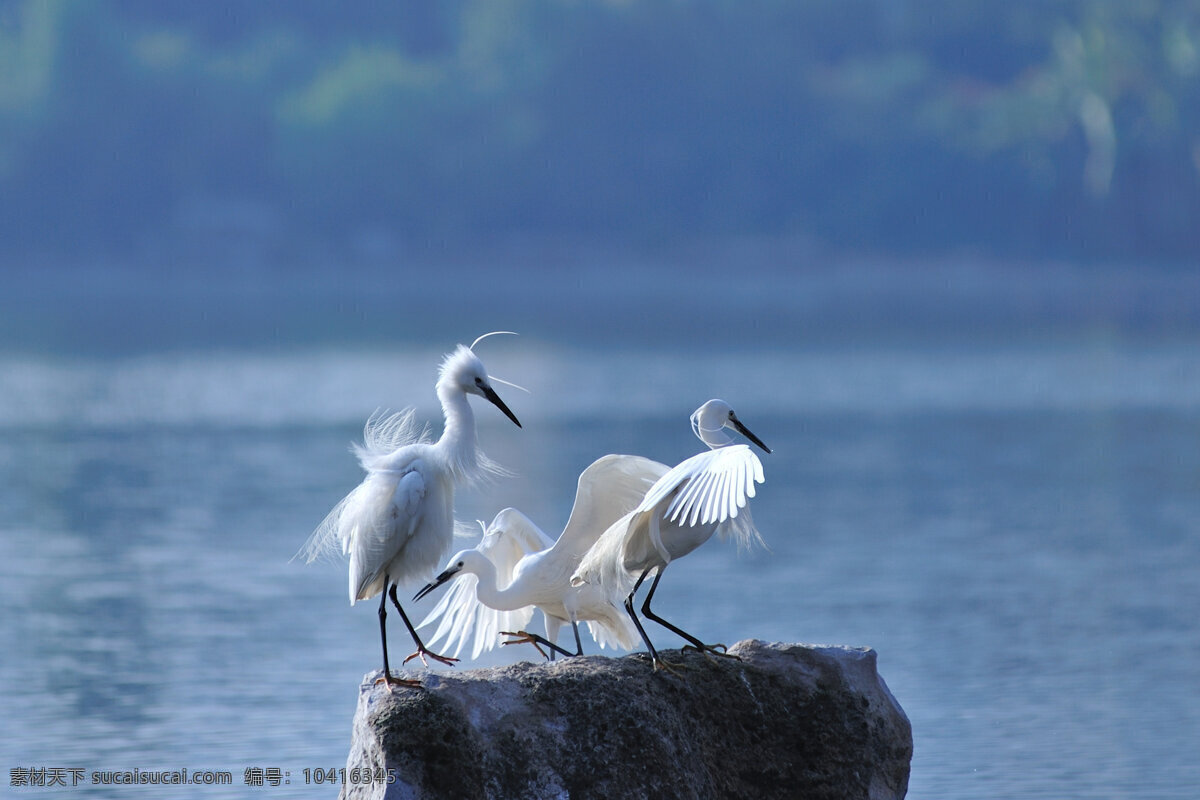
[[993, 482]]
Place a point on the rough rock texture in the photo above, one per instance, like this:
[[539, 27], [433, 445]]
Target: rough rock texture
[[787, 721]]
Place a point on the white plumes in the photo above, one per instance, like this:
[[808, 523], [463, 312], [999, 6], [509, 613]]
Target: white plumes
[[326, 540], [493, 333], [742, 531], [385, 433], [509, 383]]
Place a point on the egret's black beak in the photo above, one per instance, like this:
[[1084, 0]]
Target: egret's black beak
[[495, 400], [744, 431], [438, 581]]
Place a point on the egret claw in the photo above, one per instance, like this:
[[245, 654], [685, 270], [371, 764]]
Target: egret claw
[[710, 650], [447, 660], [523, 637], [675, 669], [392, 681]]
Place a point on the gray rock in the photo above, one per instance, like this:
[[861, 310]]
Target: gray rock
[[787, 721]]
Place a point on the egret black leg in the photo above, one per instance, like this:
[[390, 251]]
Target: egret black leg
[[422, 650], [387, 672], [578, 644], [654, 656], [696, 644]]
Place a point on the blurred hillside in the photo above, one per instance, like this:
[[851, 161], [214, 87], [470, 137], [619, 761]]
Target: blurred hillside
[[1025, 128]]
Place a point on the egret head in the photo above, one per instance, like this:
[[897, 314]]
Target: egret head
[[464, 561], [462, 370], [710, 420]]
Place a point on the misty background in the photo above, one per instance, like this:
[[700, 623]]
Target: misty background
[[286, 131], [170, 172]]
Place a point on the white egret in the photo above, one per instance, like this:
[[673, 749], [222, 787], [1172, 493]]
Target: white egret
[[397, 525], [701, 496], [517, 567]]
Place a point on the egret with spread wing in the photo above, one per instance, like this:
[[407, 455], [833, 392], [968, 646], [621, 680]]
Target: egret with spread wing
[[703, 495], [397, 525], [517, 567]]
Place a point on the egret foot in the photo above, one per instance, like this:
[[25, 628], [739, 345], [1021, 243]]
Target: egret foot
[[677, 670], [524, 637], [391, 681], [710, 650], [422, 652]]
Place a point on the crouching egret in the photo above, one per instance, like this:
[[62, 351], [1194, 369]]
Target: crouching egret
[[517, 567], [397, 525], [685, 507]]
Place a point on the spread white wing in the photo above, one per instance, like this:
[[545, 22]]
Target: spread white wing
[[461, 619], [611, 487], [708, 487]]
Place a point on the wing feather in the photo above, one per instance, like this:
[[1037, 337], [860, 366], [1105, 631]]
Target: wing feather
[[610, 487], [614, 633], [711, 487], [733, 489], [746, 487], [454, 614], [747, 482], [709, 510], [510, 537], [462, 621], [383, 434], [377, 525], [701, 499], [668, 483], [691, 486], [720, 509]]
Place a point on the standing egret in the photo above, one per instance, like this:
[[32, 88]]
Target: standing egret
[[518, 567], [397, 525], [684, 508]]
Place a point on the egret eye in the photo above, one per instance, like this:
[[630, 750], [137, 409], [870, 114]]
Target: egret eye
[[479, 381], [461, 564]]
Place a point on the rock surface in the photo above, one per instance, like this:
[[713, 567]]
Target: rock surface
[[787, 721]]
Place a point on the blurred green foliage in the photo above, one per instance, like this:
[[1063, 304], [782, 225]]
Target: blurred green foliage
[[1063, 127]]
